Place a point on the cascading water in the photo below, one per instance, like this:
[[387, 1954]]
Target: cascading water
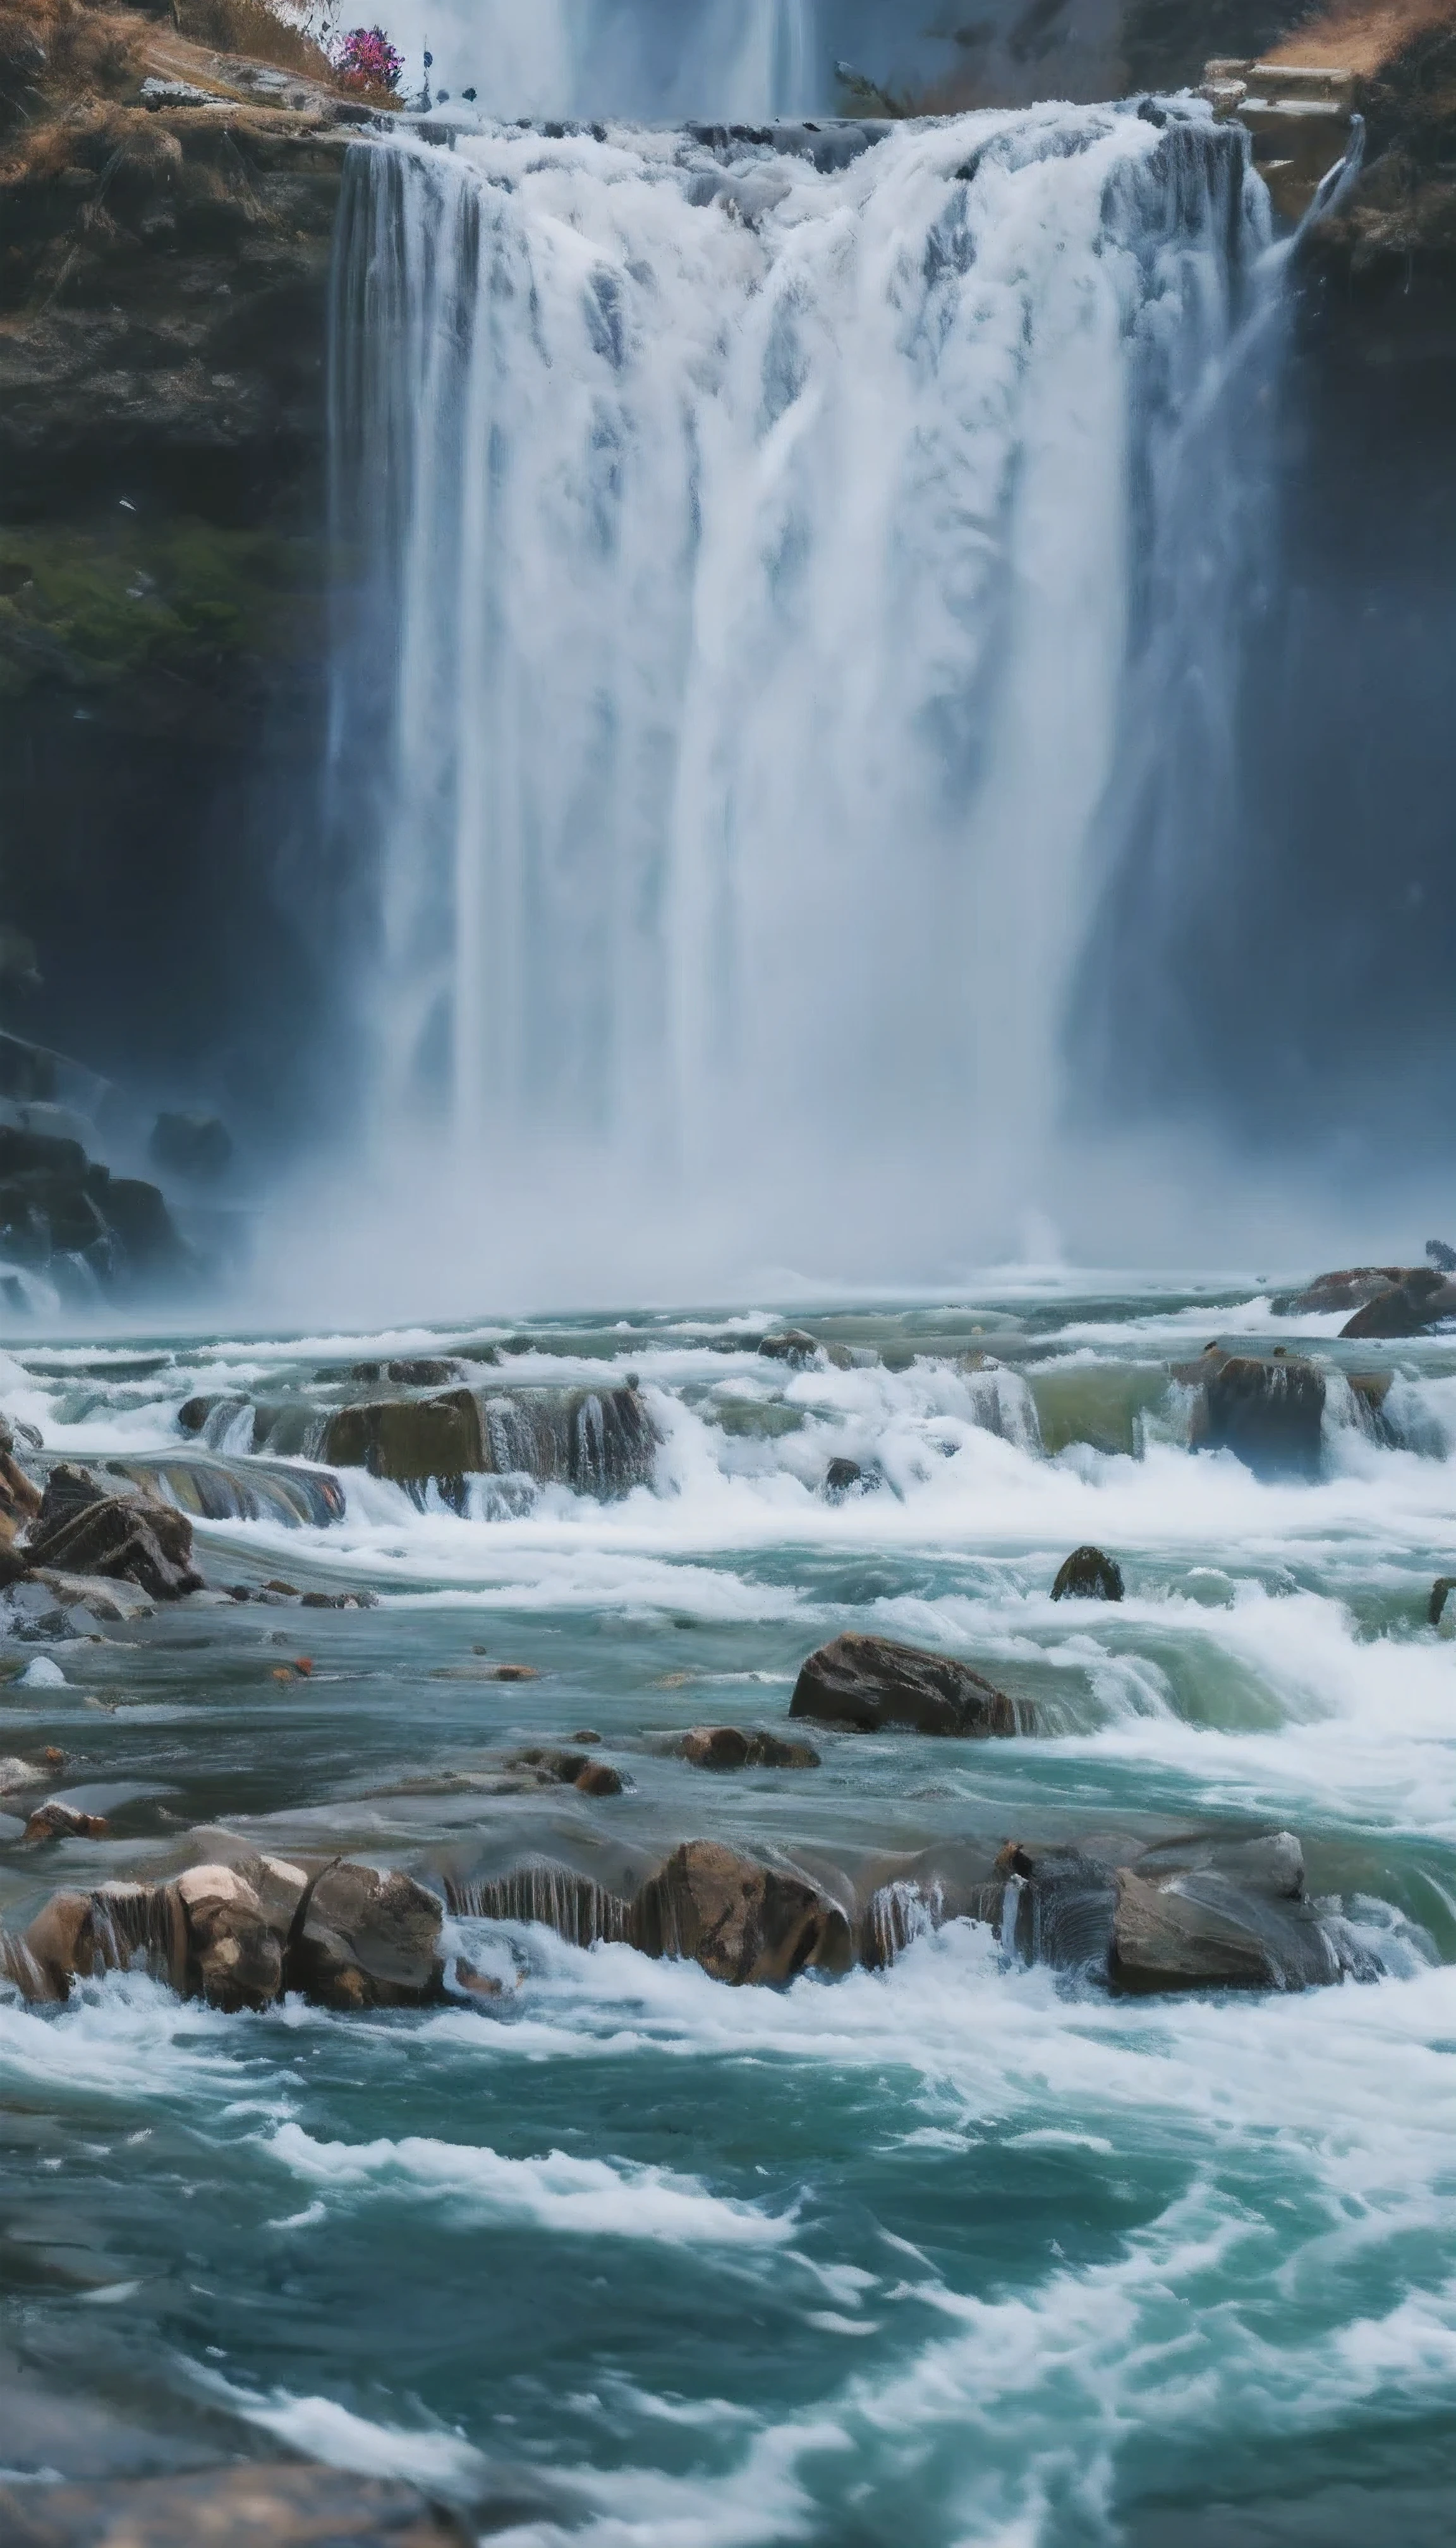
[[747, 533], [654, 59]]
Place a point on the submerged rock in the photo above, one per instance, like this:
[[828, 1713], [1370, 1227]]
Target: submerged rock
[[82, 1529], [741, 1921], [1269, 1415], [868, 1683], [727, 1747], [292, 2504], [1088, 1576]]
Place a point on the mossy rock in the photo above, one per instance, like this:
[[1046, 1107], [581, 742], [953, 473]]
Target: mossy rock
[[91, 607]]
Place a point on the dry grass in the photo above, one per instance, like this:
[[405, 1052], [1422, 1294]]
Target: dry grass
[[1362, 35], [250, 28]]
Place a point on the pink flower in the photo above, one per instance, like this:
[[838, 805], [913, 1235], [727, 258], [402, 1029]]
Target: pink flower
[[367, 58]]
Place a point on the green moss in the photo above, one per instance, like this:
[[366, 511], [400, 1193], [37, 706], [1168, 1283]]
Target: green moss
[[182, 597]]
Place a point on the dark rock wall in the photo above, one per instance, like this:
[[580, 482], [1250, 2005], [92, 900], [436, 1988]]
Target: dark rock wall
[[1279, 961], [165, 577]]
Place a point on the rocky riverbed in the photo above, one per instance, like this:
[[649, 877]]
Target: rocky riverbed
[[510, 1930]]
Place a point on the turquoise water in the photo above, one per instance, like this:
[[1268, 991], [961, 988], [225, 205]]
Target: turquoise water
[[961, 2252]]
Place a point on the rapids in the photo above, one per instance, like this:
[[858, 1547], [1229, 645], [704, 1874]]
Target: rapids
[[961, 2250]]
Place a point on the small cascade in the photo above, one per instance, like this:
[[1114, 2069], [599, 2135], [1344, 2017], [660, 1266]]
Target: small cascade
[[140, 1928], [896, 1915], [1002, 1403], [749, 526], [599, 1442], [548, 1897]]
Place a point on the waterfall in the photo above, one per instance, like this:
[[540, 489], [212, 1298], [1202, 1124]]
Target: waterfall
[[745, 532], [655, 60]]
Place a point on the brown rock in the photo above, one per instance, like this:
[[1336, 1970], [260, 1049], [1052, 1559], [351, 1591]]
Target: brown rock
[[234, 1959], [257, 2506], [60, 1944], [63, 1822], [412, 1440], [1347, 1289], [599, 1778], [1407, 1308], [1269, 1415], [870, 1683], [83, 1529], [363, 1940], [741, 1921]]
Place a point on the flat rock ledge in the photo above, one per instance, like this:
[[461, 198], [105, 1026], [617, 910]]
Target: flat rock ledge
[[259, 2505]]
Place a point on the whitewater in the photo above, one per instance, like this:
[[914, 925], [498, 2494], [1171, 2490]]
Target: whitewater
[[963, 2248]]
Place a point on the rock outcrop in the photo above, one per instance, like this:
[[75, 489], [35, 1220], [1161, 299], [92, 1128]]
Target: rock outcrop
[[236, 1936], [1203, 1913], [81, 1530], [1416, 1301], [361, 1940], [66, 1217], [870, 1684], [290, 2503], [741, 1921], [1269, 1415], [599, 1442]]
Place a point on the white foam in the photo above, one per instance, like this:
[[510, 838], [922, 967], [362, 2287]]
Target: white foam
[[589, 2197]]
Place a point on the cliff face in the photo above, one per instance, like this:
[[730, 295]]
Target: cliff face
[[163, 560], [167, 206]]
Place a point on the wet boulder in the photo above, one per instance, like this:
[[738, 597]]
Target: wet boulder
[[64, 1821], [414, 1442], [741, 1921], [1419, 1300], [1269, 1415], [58, 1944], [870, 1683], [82, 1529], [793, 1345], [1440, 1591], [1347, 1290], [1206, 1933], [234, 1959], [293, 2504], [362, 1939], [728, 1747], [1088, 1576]]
